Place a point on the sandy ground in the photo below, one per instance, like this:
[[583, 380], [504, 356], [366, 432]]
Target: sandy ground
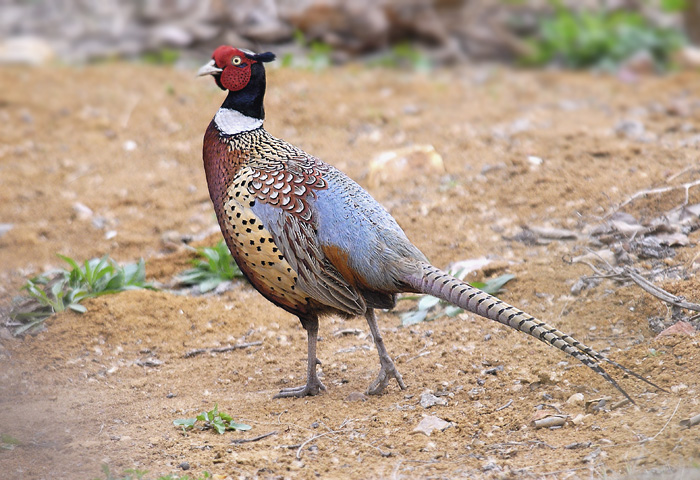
[[125, 142]]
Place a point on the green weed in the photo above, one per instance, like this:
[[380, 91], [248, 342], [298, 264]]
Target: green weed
[[164, 56], [8, 442], [215, 265], [602, 39], [134, 474], [404, 55], [213, 419], [61, 289], [318, 54]]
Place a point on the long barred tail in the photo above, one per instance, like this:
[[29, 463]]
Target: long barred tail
[[442, 285]]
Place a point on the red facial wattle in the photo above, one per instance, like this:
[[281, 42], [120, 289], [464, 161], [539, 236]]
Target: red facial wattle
[[235, 65]]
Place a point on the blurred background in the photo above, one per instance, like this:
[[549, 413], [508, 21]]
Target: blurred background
[[640, 34]]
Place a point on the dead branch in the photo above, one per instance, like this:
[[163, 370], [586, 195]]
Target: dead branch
[[254, 439], [229, 348], [655, 191], [689, 422], [659, 292]]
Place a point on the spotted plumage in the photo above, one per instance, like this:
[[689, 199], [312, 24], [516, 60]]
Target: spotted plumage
[[314, 242]]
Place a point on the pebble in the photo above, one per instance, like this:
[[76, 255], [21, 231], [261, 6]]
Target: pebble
[[184, 465], [576, 399], [428, 400], [356, 397]]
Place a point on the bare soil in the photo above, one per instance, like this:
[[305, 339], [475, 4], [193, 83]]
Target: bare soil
[[125, 141]]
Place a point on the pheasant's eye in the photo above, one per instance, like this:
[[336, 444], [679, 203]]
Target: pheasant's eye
[[236, 60]]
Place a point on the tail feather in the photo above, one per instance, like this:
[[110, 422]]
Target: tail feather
[[442, 285]]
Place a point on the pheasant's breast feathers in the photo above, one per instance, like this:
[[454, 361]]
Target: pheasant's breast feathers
[[254, 248], [288, 184]]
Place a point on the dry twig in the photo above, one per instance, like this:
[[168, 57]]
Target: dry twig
[[254, 439], [690, 422], [229, 348], [656, 191]]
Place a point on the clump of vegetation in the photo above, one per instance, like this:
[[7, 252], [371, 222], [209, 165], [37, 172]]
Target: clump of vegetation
[[430, 308], [59, 290], [214, 266], [318, 57], [8, 442], [213, 419], [135, 474], [404, 55], [602, 39], [164, 56]]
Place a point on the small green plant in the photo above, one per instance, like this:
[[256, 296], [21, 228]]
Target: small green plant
[[430, 308], [213, 419], [164, 56], [134, 474], [318, 57], [214, 266], [60, 290], [602, 39], [404, 55], [8, 442]]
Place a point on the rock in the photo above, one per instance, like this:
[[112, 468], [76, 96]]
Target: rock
[[171, 35], [678, 328], [82, 211], [428, 400], [25, 51], [356, 397], [357, 26], [576, 399], [395, 166], [429, 424], [633, 129], [6, 227], [688, 57]]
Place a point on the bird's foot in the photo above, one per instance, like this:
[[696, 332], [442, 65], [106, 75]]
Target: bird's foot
[[386, 373], [311, 388]]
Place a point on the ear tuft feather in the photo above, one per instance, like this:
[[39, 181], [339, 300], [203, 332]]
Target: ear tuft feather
[[261, 57]]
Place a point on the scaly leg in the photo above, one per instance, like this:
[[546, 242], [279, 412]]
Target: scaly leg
[[388, 369], [313, 384]]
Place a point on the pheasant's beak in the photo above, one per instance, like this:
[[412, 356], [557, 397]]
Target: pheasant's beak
[[209, 69]]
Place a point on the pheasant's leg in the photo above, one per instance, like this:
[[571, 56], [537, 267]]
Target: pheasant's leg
[[313, 384], [388, 369]]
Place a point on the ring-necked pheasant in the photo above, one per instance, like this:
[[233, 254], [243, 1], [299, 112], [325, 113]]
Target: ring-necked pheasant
[[314, 242]]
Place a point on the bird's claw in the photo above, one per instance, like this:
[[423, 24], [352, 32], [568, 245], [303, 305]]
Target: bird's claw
[[310, 389], [386, 373]]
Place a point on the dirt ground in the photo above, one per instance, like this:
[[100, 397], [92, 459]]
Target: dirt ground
[[548, 149]]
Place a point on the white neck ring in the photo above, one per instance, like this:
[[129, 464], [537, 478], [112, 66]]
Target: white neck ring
[[231, 122]]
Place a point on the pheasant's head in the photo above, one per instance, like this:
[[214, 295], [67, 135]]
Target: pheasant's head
[[233, 68]]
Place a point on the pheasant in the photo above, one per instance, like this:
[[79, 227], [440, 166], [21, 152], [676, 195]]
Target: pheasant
[[315, 243]]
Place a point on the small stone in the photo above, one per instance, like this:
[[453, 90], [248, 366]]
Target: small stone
[[5, 227], [578, 419], [679, 388], [184, 465], [679, 328], [356, 397], [576, 399], [82, 211], [428, 400], [431, 423]]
